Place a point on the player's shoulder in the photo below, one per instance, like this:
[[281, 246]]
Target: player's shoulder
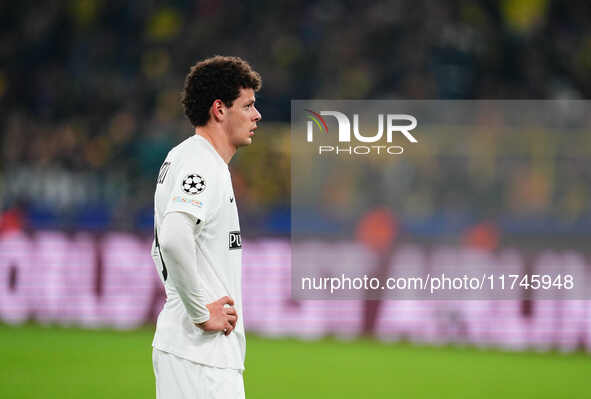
[[198, 152], [178, 150]]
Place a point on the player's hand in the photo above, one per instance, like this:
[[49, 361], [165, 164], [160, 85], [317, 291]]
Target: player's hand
[[221, 317]]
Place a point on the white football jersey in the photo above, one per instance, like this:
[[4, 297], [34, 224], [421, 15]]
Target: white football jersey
[[196, 180]]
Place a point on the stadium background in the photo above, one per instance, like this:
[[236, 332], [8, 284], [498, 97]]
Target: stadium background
[[89, 107]]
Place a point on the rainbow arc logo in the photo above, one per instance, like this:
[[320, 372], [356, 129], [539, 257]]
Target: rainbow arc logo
[[317, 119]]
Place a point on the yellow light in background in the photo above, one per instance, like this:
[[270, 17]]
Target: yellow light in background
[[84, 12], [165, 24], [522, 16]]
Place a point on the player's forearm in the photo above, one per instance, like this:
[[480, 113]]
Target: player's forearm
[[176, 237]]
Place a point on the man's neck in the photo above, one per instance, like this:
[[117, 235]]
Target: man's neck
[[217, 138]]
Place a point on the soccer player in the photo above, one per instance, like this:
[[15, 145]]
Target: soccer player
[[199, 344]]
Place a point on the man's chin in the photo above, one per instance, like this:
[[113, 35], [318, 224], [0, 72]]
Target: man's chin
[[246, 142]]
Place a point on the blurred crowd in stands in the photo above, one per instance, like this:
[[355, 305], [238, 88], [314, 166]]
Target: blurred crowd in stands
[[89, 92]]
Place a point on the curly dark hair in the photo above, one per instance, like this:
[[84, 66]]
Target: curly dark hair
[[216, 78]]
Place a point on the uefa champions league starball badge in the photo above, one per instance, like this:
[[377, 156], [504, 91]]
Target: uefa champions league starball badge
[[193, 184]]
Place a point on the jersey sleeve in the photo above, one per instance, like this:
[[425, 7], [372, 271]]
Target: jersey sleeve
[[196, 191], [179, 254]]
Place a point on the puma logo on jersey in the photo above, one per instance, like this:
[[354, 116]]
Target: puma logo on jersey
[[231, 199], [235, 241]]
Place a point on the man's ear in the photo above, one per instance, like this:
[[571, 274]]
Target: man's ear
[[218, 110]]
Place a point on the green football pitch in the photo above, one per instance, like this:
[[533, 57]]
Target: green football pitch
[[51, 362]]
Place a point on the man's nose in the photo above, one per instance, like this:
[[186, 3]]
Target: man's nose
[[258, 115]]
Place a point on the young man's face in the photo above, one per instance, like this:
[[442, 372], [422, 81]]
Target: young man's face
[[242, 119]]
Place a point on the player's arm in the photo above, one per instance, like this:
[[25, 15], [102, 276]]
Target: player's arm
[[177, 244]]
